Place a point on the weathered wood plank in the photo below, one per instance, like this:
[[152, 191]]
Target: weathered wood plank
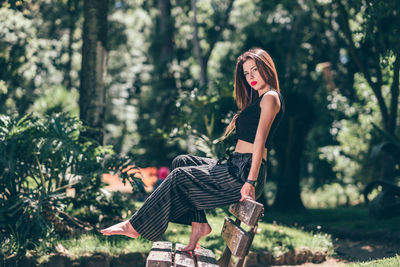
[[225, 258], [248, 211], [205, 258], [235, 237], [160, 255], [182, 259]]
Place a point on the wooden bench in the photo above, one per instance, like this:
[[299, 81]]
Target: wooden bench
[[238, 242]]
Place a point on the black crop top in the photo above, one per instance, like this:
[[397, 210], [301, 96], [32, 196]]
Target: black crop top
[[247, 122]]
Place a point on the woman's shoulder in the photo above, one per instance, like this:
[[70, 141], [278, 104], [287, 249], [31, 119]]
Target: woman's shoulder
[[271, 98], [272, 94]]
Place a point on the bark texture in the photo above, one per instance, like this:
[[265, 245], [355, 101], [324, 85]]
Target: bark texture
[[93, 72]]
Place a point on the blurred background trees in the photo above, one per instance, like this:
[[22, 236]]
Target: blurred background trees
[[155, 79], [90, 85]]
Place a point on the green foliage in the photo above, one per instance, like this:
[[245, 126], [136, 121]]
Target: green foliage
[[47, 151], [381, 25], [353, 132], [39, 159], [32, 55], [151, 99], [331, 195], [202, 120], [56, 100], [128, 71], [17, 46]]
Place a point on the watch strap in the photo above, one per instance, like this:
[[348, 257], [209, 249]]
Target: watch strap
[[252, 182]]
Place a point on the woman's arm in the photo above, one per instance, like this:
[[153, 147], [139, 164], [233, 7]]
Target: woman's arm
[[270, 105]]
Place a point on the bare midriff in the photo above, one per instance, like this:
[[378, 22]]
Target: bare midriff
[[246, 147]]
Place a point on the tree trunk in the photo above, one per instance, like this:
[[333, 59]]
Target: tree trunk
[[166, 32], [165, 85], [72, 7], [93, 72], [289, 143], [263, 200], [201, 56], [290, 154], [196, 45]]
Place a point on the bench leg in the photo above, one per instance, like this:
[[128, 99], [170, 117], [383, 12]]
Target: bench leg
[[225, 258], [241, 262]]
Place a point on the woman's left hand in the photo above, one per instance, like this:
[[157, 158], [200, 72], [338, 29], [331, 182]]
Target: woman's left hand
[[247, 191]]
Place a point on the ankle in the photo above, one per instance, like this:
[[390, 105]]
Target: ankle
[[199, 224], [129, 227]]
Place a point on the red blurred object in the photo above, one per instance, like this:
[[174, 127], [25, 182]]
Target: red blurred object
[[163, 173]]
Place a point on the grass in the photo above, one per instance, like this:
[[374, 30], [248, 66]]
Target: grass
[[270, 237], [348, 218], [89, 244], [279, 232], [387, 262]]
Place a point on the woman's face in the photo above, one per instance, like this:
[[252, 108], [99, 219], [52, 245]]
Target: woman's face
[[253, 76]]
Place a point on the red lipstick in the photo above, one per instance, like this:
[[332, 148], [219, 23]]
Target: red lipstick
[[253, 83]]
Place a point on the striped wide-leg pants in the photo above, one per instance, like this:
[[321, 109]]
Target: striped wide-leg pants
[[194, 185]]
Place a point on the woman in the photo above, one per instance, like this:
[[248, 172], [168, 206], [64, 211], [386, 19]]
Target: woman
[[196, 183]]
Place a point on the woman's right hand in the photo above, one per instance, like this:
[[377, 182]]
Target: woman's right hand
[[247, 191]]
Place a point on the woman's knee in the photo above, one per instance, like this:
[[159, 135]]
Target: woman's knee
[[178, 175], [179, 161]]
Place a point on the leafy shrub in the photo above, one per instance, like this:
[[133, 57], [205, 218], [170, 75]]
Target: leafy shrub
[[331, 195], [39, 159]]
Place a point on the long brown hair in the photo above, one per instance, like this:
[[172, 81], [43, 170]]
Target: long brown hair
[[265, 66]]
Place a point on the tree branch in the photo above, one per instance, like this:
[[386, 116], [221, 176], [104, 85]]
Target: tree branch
[[196, 41], [349, 39], [203, 59], [394, 89], [376, 88], [222, 25]]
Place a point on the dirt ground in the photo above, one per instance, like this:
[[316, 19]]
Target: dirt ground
[[329, 262], [365, 250], [347, 251]]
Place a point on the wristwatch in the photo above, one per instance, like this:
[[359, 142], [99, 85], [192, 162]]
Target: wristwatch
[[252, 182]]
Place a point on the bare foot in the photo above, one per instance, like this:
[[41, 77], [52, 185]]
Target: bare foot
[[199, 230], [123, 228]]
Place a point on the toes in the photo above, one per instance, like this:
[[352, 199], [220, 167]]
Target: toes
[[108, 232], [189, 247]]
